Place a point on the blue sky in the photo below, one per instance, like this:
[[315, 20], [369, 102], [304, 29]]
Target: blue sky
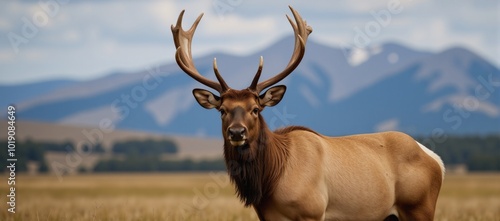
[[81, 40]]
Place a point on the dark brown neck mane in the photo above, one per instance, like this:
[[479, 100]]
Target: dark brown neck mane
[[255, 168]]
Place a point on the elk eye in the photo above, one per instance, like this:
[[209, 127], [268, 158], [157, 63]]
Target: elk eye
[[255, 111], [222, 112]]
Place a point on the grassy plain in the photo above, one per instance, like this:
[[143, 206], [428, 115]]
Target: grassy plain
[[210, 196]]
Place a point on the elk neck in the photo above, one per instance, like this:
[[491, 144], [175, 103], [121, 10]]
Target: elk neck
[[255, 168]]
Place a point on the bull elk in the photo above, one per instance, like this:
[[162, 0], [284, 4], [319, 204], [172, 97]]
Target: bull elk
[[295, 173]]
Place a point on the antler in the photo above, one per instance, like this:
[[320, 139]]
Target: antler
[[184, 58], [302, 31]]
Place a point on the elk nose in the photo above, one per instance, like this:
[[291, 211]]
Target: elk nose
[[236, 133]]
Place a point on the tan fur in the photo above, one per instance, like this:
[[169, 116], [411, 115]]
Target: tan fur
[[297, 174], [362, 177]]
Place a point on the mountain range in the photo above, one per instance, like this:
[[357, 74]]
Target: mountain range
[[334, 91]]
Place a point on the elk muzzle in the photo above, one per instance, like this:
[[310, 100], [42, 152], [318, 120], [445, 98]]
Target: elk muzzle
[[237, 135]]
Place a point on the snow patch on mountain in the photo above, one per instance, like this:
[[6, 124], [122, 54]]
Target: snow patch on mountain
[[393, 88], [98, 117], [358, 56], [379, 64], [463, 103], [311, 76], [309, 96], [170, 103], [448, 70]]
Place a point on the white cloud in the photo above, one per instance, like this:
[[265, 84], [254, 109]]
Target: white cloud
[[6, 56], [92, 37], [5, 25], [437, 35], [71, 35], [236, 26], [380, 5], [165, 11]]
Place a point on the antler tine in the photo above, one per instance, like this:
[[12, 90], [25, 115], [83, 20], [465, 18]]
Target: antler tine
[[183, 56], [302, 31], [222, 83], [255, 80]]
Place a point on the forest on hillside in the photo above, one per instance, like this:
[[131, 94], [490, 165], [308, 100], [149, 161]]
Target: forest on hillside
[[478, 153]]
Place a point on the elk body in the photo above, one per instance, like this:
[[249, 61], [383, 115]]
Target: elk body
[[295, 173]]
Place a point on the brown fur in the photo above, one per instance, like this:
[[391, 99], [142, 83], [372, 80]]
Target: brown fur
[[295, 173], [289, 129], [298, 174], [239, 95], [256, 167]]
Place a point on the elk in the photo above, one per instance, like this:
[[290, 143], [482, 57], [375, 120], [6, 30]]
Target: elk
[[295, 173]]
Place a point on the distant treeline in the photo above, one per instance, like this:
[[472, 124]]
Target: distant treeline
[[35, 151], [142, 156], [478, 153], [145, 147]]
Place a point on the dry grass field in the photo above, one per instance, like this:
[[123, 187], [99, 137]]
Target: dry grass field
[[151, 197]]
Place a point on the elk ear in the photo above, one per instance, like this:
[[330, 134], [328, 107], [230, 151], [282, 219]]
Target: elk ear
[[272, 96], [206, 99]]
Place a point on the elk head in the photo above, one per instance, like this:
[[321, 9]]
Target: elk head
[[239, 109]]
